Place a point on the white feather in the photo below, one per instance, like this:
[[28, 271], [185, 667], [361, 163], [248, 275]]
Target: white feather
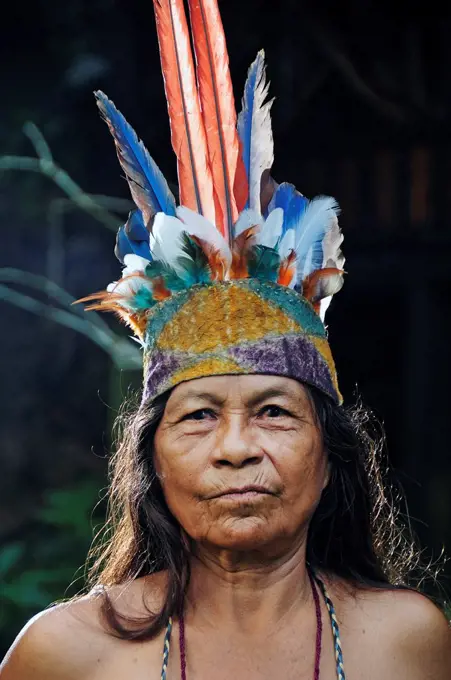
[[271, 229], [261, 156], [319, 216], [247, 218], [128, 287], [323, 307], [332, 255], [134, 263], [307, 264], [287, 243], [197, 225], [165, 243]]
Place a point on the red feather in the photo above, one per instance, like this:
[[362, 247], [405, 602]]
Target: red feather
[[241, 185], [187, 127], [218, 110]]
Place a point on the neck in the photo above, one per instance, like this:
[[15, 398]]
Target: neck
[[248, 590]]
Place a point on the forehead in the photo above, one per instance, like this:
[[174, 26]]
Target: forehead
[[237, 388]]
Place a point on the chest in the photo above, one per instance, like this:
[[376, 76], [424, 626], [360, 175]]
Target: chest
[[223, 657], [291, 660], [218, 655]]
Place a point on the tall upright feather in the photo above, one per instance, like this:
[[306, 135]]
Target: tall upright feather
[[148, 187], [218, 106], [187, 127], [254, 128]]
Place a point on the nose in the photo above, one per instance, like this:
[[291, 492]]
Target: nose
[[236, 446]]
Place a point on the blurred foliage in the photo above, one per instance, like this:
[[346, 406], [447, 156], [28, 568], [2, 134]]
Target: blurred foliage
[[36, 568], [43, 565]]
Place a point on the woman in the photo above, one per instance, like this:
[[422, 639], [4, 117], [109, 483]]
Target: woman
[[267, 480], [251, 533]]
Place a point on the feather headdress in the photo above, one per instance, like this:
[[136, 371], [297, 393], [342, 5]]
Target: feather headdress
[[235, 229]]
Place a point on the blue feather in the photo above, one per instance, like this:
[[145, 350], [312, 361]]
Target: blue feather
[[245, 124], [133, 237], [148, 186], [254, 129], [293, 204]]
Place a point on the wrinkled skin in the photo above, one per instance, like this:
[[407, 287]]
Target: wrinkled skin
[[225, 432]]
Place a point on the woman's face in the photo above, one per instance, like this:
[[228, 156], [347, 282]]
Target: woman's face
[[241, 460]]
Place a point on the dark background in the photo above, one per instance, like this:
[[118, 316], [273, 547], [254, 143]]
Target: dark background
[[362, 112]]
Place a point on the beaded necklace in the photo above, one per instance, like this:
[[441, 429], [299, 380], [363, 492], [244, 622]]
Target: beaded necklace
[[314, 581]]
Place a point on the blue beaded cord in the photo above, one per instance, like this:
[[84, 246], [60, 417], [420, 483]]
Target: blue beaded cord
[[335, 629], [166, 646]]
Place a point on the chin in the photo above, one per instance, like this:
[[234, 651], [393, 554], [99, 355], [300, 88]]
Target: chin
[[246, 533]]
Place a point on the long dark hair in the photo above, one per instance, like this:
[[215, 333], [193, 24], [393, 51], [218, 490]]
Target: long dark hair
[[356, 532]]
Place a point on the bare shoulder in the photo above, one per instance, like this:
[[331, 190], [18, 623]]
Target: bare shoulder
[[70, 641], [56, 643], [402, 631]]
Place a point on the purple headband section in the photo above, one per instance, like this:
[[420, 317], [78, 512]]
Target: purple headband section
[[293, 356]]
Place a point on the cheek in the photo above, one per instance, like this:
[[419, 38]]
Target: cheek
[[301, 464], [181, 475]]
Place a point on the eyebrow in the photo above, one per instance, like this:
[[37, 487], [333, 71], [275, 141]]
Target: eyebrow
[[252, 401]]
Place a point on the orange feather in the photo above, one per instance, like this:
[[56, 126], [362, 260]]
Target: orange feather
[[103, 301], [137, 321], [322, 283], [218, 108], [287, 268], [109, 302], [218, 265], [187, 127], [240, 251], [159, 290]]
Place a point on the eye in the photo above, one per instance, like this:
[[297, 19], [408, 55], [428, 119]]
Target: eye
[[274, 411], [200, 414]]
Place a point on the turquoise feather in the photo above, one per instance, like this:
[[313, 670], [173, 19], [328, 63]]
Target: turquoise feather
[[195, 266], [159, 269], [141, 300], [263, 263]]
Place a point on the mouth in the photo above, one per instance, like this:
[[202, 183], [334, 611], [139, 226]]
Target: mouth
[[244, 493]]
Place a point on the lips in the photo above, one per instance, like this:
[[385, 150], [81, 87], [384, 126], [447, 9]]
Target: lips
[[244, 492]]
